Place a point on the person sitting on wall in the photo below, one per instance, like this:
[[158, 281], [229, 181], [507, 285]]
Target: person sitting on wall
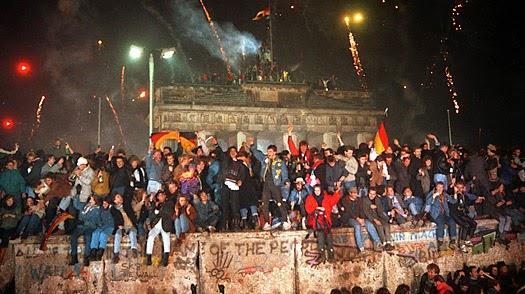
[[31, 222], [125, 222], [160, 222], [207, 213], [105, 224], [9, 217], [297, 198], [86, 225], [185, 216], [318, 207]]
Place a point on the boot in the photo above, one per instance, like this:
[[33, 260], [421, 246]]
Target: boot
[[93, 255], [165, 257], [148, 259], [243, 224], [322, 256], [100, 253], [440, 245], [331, 255], [86, 261], [115, 258], [73, 259], [256, 223], [235, 225], [452, 244]]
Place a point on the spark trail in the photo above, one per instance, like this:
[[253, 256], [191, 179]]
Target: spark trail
[[38, 116], [359, 70], [450, 80], [122, 85], [117, 120], [216, 33]]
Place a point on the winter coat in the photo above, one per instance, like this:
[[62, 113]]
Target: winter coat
[[84, 180], [31, 171], [248, 192], [303, 157], [118, 218], [89, 216], [330, 174], [154, 168], [351, 165], [374, 213], [433, 206], [440, 163], [206, 211], [9, 216], [191, 216], [139, 178], [59, 189], [328, 202], [119, 177], [297, 196], [404, 177], [477, 167], [278, 169], [362, 178], [12, 182], [377, 178], [101, 188], [105, 218], [162, 212]]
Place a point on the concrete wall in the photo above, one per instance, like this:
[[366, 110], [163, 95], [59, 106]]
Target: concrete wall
[[248, 262]]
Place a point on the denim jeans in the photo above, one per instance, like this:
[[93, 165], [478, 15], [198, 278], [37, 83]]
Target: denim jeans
[[440, 221], [77, 232], [29, 225], [244, 212], [99, 238], [182, 225], [358, 232], [441, 178], [505, 223], [132, 234]]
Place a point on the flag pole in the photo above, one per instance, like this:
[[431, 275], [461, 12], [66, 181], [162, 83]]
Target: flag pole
[[449, 128]]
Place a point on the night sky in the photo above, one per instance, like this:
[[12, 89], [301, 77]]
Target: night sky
[[401, 50]]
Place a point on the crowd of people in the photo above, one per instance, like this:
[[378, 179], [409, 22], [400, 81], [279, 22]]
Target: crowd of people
[[493, 279], [97, 195]]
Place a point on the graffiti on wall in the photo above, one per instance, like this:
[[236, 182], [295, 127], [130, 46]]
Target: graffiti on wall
[[237, 260]]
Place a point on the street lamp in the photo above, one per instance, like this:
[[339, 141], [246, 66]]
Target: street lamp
[[135, 52]]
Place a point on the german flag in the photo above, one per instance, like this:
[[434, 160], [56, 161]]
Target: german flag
[[188, 140], [381, 139], [262, 14]]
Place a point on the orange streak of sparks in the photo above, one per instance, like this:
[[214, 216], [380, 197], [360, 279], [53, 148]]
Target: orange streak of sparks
[[450, 82], [38, 116], [357, 62], [216, 33], [117, 120]]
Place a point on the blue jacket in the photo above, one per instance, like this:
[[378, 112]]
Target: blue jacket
[[88, 216], [432, 205], [153, 169], [105, 218], [211, 177], [278, 169], [298, 196]]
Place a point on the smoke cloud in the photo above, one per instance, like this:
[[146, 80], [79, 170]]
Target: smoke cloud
[[191, 19]]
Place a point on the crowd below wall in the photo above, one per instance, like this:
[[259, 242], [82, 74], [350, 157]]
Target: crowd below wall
[[58, 191]]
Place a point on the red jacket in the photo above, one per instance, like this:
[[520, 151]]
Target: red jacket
[[307, 156], [328, 202]]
